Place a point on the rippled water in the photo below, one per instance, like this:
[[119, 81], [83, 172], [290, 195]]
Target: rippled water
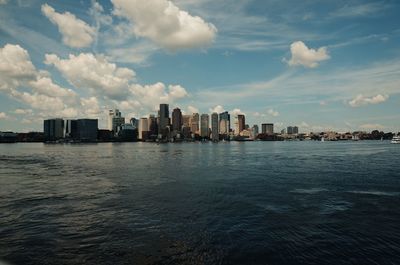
[[194, 203]]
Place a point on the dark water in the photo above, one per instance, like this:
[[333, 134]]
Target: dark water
[[193, 203]]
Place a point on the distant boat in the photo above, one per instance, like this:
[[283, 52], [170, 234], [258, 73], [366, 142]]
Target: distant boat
[[396, 140]]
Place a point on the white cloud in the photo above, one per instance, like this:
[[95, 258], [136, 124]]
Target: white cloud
[[273, 113], [165, 24], [76, 33], [236, 112], [217, 109], [302, 55], [350, 11], [191, 109], [3, 115], [3, 2], [360, 100], [23, 111], [95, 73], [370, 126]]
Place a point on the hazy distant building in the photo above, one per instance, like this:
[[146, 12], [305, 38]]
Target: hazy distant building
[[163, 123], [241, 122], [153, 127], [295, 130], [214, 127], [176, 120], [135, 123], [87, 130], [143, 129], [186, 120], [194, 123], [255, 130], [205, 126], [53, 129], [292, 130], [267, 128]]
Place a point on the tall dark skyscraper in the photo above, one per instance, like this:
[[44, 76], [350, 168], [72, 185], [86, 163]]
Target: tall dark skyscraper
[[163, 120], [241, 122], [267, 128], [214, 127], [53, 129], [176, 120], [204, 125], [224, 123]]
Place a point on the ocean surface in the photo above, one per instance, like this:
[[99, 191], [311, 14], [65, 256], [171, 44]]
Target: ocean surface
[[200, 203]]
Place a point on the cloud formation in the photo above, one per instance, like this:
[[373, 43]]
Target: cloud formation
[[302, 55], [165, 24], [360, 100], [273, 113], [75, 33], [372, 126]]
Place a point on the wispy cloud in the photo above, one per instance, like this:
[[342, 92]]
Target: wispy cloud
[[350, 11]]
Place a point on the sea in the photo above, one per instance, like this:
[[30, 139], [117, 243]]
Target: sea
[[200, 203]]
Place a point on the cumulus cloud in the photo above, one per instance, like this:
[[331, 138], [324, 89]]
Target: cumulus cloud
[[302, 55], [95, 73], [3, 115], [360, 100], [165, 24], [191, 110], [23, 111], [273, 113], [217, 109], [76, 33], [236, 112]]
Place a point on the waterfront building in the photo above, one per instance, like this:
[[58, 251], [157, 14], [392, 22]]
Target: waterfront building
[[163, 123], [289, 130], [224, 124], [153, 128], [176, 120], [204, 121], [194, 123], [127, 133], [267, 128], [295, 130], [87, 129], [71, 129], [186, 120], [143, 129], [135, 123], [53, 129], [214, 127], [241, 122]]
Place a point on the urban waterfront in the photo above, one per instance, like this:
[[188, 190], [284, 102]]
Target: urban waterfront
[[200, 203]]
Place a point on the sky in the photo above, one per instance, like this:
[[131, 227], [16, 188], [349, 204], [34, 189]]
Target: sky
[[321, 65]]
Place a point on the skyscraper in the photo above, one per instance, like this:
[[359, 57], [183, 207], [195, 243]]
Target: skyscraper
[[143, 129], [205, 126], [153, 128], [186, 120], [267, 128], [163, 120], [87, 129], [214, 127], [176, 120], [241, 122], [115, 120], [71, 129], [224, 124], [295, 130], [289, 130], [194, 123]]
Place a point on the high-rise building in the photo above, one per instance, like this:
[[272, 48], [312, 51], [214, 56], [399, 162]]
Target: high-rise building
[[295, 130], [224, 123], [194, 123], [71, 129], [267, 128], [115, 120], [143, 129], [289, 130], [163, 123], [204, 125], [186, 120], [135, 123], [214, 127], [53, 129], [152, 123], [176, 120], [255, 130], [241, 122], [87, 129]]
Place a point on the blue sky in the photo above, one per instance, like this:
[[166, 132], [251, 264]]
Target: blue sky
[[320, 65]]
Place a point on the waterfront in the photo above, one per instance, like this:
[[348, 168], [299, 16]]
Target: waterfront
[[200, 203]]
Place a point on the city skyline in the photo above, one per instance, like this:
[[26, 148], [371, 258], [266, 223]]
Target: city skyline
[[320, 66]]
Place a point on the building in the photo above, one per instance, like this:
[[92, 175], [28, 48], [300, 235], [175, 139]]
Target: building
[[295, 130], [115, 120], [224, 123], [153, 128], [177, 120], [255, 130], [71, 129], [241, 122], [214, 127], [292, 130], [194, 123], [204, 125], [267, 128], [186, 120], [134, 122], [87, 129], [127, 133], [53, 129], [163, 123], [143, 129]]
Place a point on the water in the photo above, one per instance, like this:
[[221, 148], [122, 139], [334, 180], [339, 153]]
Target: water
[[194, 203]]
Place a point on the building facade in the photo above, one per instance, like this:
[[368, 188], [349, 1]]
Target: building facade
[[53, 129], [267, 128], [204, 125]]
